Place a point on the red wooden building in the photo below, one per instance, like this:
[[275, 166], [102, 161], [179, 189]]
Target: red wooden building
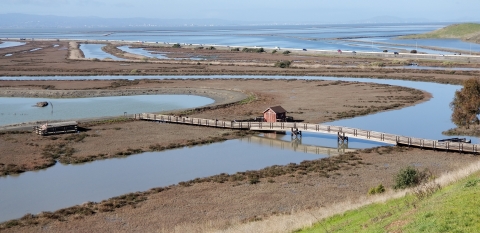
[[275, 114]]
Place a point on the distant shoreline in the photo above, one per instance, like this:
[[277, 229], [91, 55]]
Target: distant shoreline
[[298, 51]]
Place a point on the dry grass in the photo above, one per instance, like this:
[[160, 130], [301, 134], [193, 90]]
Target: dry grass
[[306, 218]]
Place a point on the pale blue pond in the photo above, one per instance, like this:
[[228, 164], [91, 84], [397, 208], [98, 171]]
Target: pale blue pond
[[143, 52], [6, 44], [18, 110], [95, 51]]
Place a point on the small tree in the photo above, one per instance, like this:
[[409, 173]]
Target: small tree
[[466, 103]]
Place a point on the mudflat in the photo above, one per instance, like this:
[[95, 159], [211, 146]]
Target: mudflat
[[217, 204], [236, 99], [222, 202], [52, 60]]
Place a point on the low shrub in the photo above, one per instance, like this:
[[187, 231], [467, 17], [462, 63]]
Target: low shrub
[[254, 179], [471, 183], [235, 49], [409, 177], [378, 64], [274, 51], [376, 190], [413, 51], [283, 64], [286, 52], [253, 50], [177, 45]]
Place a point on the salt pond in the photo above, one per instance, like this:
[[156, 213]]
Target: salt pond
[[7, 44], [14, 110], [95, 51]]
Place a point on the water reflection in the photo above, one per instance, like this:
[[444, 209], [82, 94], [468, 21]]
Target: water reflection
[[274, 141], [66, 185]]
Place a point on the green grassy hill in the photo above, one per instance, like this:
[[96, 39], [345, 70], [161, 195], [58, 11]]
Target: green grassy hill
[[455, 208], [464, 31]]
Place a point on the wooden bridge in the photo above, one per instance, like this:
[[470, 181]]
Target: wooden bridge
[[317, 128]]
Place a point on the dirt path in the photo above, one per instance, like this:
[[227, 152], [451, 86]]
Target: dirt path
[[74, 51]]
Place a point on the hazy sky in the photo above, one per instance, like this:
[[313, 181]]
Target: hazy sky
[[249, 10]]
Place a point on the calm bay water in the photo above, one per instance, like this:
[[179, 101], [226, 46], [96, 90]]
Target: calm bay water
[[323, 37]]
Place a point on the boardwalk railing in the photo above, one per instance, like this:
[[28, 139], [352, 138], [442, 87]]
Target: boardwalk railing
[[320, 128]]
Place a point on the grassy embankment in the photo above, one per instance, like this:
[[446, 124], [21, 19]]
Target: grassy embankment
[[453, 208], [466, 31]]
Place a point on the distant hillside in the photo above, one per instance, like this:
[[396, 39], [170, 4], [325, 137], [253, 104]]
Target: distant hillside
[[465, 31]]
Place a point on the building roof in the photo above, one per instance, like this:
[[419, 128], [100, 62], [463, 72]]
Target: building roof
[[276, 109]]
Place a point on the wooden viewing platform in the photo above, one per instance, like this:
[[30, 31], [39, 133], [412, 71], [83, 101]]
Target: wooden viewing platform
[[56, 128], [317, 128]]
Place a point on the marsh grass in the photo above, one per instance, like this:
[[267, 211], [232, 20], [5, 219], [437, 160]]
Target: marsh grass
[[106, 121], [80, 211], [322, 167], [9, 169], [447, 210], [76, 137]]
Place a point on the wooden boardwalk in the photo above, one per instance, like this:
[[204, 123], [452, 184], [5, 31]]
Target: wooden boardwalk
[[317, 128]]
